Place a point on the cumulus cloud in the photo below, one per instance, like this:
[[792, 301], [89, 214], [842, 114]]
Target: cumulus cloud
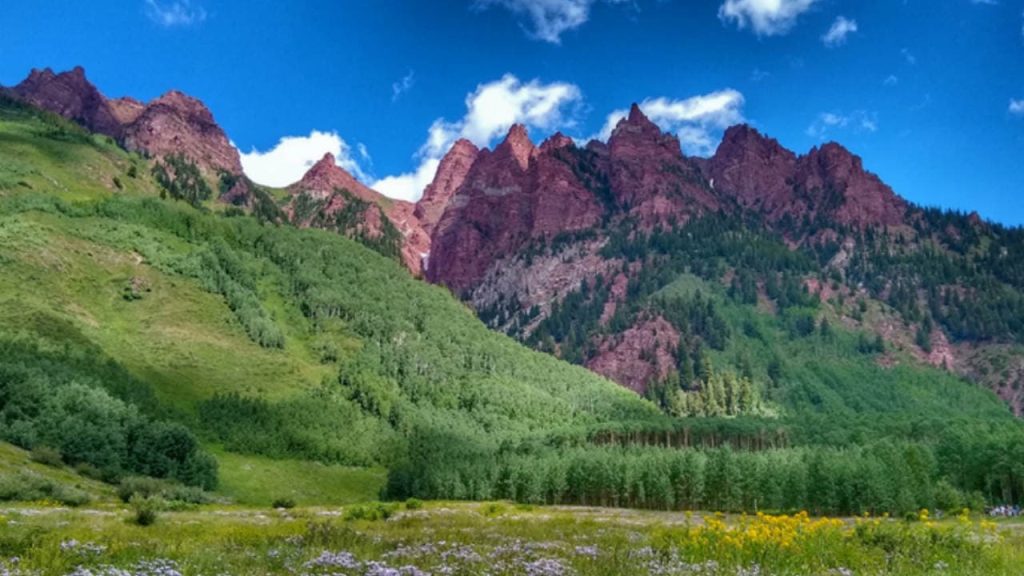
[[549, 19], [293, 156], [1017, 107], [837, 33], [403, 85], [829, 122], [695, 120], [764, 17], [491, 110], [174, 13]]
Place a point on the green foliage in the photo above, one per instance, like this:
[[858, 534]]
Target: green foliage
[[147, 488], [180, 178], [372, 512], [283, 503], [56, 402], [145, 511], [28, 486], [47, 456], [351, 220]]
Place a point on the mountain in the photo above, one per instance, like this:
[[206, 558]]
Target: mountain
[[174, 124], [328, 197], [149, 328], [570, 249]]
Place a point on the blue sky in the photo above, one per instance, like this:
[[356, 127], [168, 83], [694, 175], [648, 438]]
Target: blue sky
[[929, 92]]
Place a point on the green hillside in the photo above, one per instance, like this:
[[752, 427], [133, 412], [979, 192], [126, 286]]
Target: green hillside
[[141, 335]]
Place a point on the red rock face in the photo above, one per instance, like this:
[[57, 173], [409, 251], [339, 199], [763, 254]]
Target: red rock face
[[638, 356], [829, 182], [70, 95], [756, 169], [126, 110], [511, 196], [450, 175], [649, 175], [831, 175], [172, 124], [176, 123]]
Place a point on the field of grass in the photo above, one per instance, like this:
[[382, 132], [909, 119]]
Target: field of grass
[[257, 481], [494, 538], [16, 463]]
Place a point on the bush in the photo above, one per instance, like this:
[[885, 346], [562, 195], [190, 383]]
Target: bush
[[374, 511], [169, 492], [27, 487], [145, 510], [47, 456], [283, 503], [413, 504], [139, 486]]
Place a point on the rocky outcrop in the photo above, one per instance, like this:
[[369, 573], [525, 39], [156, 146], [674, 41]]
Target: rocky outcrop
[[451, 173], [176, 123], [828, 183], [649, 176], [514, 196], [328, 194], [126, 109], [642, 354], [72, 96]]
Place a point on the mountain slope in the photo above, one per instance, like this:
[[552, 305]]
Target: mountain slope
[[190, 330], [566, 248], [234, 327]]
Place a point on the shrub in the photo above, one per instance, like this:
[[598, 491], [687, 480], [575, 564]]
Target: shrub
[[374, 511], [47, 456], [413, 504], [145, 510], [169, 492], [27, 486], [283, 503]]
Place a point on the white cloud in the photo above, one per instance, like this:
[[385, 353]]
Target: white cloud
[[695, 120], [292, 157], [841, 28], [1017, 107], [765, 17], [891, 80], [403, 85], [491, 110], [174, 13], [409, 186], [985, 2], [908, 56], [549, 19], [829, 122]]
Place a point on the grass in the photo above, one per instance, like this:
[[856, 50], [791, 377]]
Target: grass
[[497, 538], [258, 481], [178, 337], [15, 461]]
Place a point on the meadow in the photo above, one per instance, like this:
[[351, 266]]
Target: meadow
[[497, 538]]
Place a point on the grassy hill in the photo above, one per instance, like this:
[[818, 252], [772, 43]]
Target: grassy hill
[[266, 339], [148, 336]]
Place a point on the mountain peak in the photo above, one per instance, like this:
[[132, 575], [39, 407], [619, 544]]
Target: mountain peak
[[636, 122], [327, 160], [636, 115], [70, 95], [517, 143], [556, 141], [450, 175]]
